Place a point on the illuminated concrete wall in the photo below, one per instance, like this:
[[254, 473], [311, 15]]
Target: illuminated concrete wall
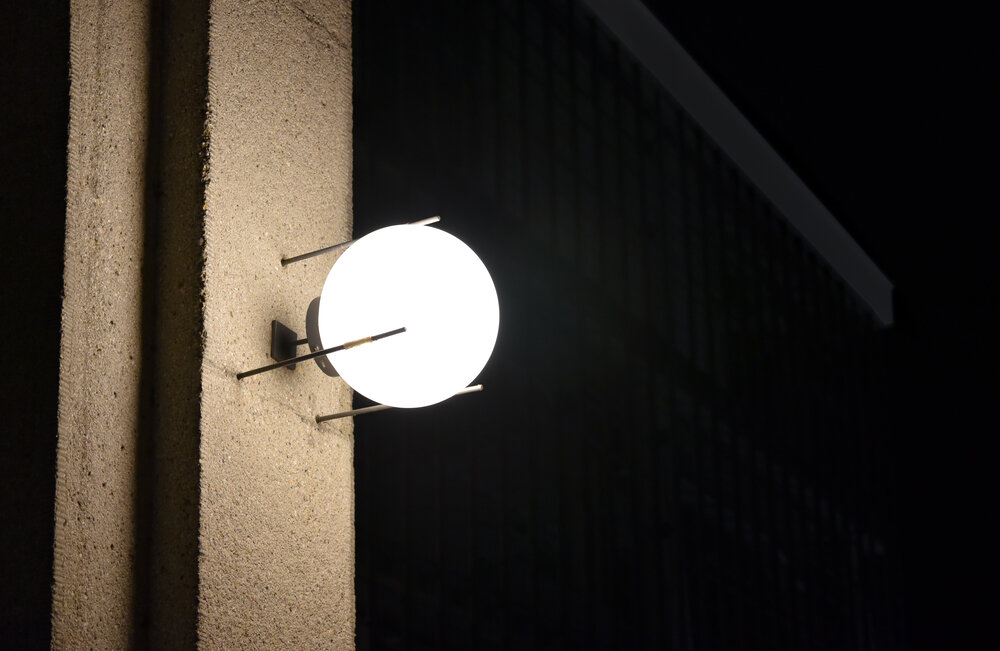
[[206, 140], [99, 365], [277, 492]]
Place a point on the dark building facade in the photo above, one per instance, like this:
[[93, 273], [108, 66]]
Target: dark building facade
[[682, 443]]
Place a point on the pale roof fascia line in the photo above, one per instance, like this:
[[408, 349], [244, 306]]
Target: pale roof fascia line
[[648, 40]]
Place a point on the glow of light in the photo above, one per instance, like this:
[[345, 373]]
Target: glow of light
[[426, 280]]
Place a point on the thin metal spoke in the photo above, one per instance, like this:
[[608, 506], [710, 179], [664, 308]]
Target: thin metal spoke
[[344, 245], [325, 351], [368, 410]]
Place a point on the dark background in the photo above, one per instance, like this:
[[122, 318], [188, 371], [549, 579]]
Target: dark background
[[34, 113], [886, 113]]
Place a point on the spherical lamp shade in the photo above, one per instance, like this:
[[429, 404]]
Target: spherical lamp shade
[[427, 281]]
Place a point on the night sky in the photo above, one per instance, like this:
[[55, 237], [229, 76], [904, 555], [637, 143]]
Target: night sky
[[885, 112]]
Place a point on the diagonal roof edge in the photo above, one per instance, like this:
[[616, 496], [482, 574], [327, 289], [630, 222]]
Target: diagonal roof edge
[[649, 41]]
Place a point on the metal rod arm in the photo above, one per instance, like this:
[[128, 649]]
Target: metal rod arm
[[353, 412], [344, 245], [313, 254], [368, 410], [325, 351]]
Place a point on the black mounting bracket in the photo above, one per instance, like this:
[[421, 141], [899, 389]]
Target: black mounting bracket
[[284, 342]]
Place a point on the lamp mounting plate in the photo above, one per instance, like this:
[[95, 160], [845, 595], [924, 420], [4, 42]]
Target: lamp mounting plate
[[284, 341]]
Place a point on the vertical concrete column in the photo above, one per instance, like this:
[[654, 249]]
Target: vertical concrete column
[[99, 396], [206, 140], [276, 566]]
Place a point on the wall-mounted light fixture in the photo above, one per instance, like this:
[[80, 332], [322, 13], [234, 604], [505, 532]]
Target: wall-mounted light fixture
[[413, 314]]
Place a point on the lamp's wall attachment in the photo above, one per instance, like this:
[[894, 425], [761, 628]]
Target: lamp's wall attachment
[[284, 341], [315, 342]]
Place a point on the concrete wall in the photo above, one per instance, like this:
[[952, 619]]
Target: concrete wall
[[206, 140], [277, 491], [101, 337]]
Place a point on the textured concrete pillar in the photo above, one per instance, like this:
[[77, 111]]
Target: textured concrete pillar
[[207, 138], [126, 543], [277, 492], [99, 397]]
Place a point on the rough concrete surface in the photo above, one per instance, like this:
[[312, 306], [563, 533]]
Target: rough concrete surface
[[99, 394], [276, 563], [193, 508]]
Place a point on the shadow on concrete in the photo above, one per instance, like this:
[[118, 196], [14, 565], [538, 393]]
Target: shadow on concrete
[[165, 600]]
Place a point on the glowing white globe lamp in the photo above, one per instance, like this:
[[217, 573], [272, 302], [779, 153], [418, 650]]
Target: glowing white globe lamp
[[427, 281], [408, 317]]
